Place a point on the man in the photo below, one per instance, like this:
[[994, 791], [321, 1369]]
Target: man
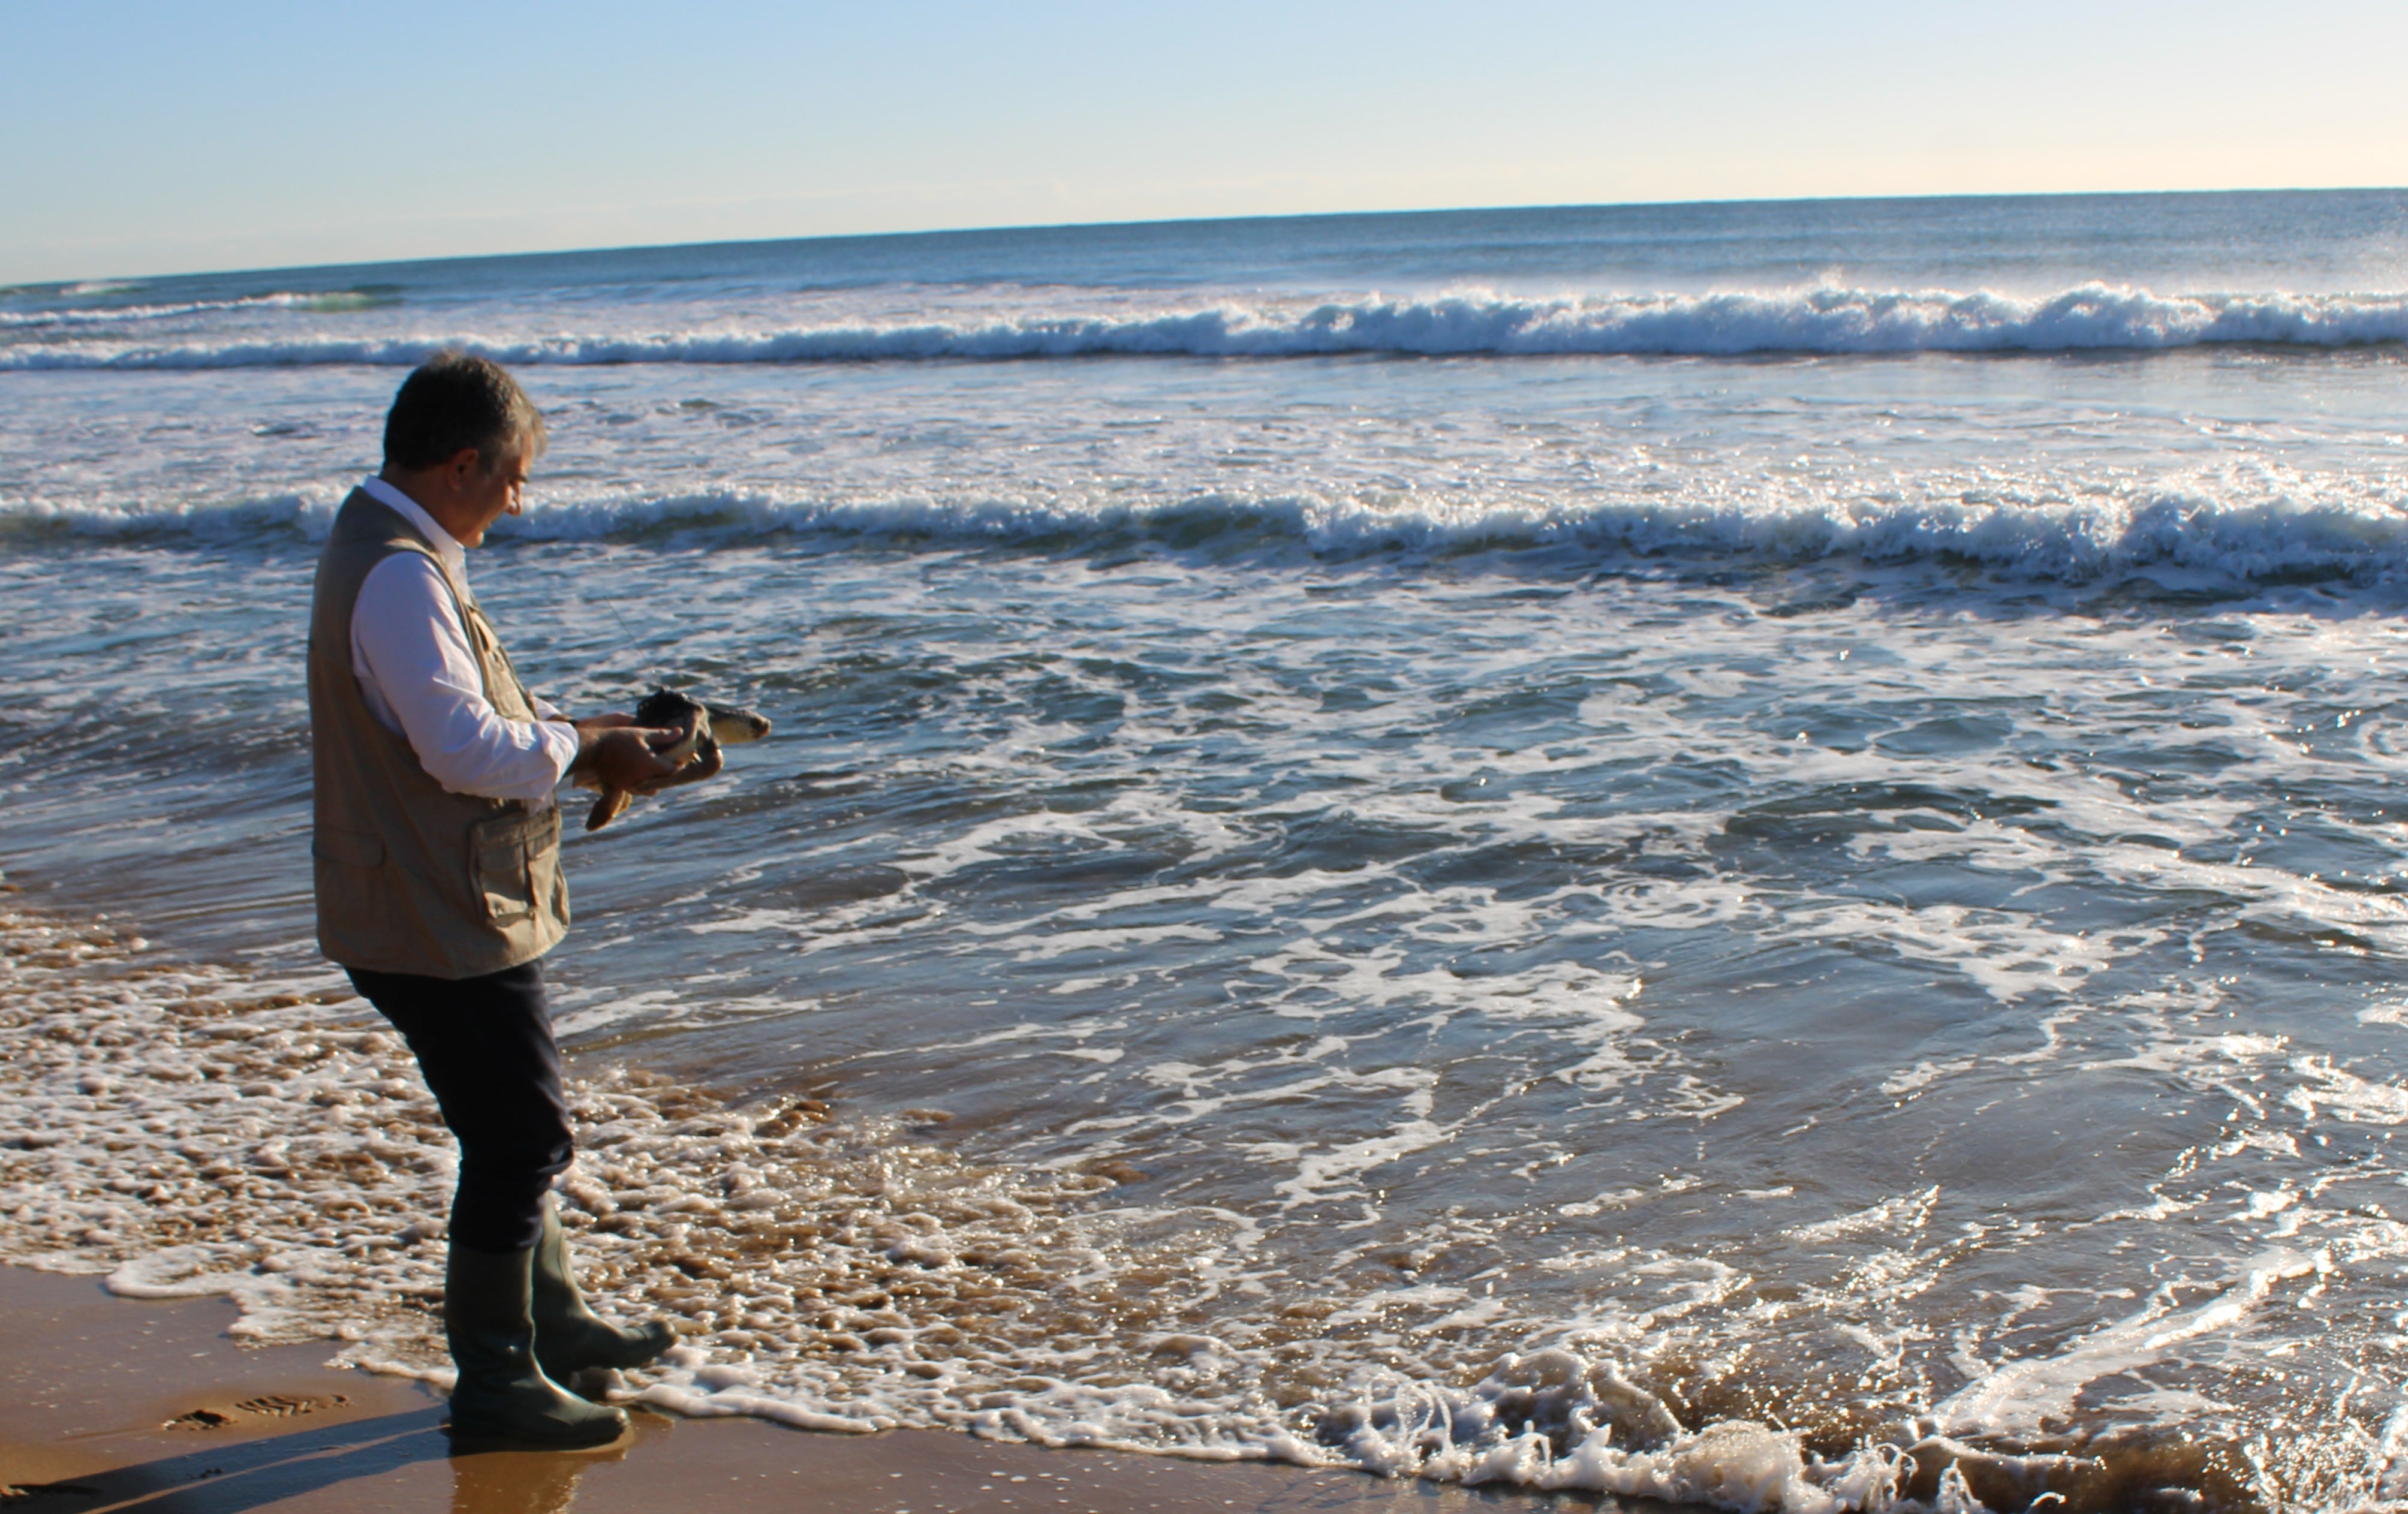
[[436, 851]]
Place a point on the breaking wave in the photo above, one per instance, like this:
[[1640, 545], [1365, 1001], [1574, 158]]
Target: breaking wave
[[2252, 531], [322, 302], [2091, 318]]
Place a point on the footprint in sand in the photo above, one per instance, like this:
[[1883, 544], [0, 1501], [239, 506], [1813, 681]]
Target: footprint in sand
[[270, 1407]]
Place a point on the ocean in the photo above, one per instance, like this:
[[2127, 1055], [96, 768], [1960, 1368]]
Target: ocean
[[1738, 854]]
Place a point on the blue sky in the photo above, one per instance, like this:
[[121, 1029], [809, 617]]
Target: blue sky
[[160, 137]]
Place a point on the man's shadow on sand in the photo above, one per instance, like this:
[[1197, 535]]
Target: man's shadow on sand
[[245, 1475]]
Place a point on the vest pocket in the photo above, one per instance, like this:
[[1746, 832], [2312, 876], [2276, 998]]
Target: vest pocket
[[502, 857], [354, 908]]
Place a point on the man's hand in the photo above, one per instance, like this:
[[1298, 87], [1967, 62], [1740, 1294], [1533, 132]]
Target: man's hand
[[614, 753]]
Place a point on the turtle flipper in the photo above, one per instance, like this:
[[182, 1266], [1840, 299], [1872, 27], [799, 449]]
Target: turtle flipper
[[680, 755], [609, 807]]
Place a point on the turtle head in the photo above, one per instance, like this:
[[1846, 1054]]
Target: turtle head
[[730, 726]]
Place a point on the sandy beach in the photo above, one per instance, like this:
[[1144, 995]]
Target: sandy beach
[[109, 1402]]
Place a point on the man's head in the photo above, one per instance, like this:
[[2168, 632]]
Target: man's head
[[459, 440]]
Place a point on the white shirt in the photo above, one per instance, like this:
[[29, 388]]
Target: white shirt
[[421, 680]]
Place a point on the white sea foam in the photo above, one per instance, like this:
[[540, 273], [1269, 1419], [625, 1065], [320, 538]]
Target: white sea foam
[[2089, 318], [792, 1331], [2028, 1394], [189, 1133]]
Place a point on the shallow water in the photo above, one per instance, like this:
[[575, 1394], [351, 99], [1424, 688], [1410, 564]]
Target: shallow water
[[1850, 895]]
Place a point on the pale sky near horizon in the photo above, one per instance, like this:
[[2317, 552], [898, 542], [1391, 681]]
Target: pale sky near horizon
[[150, 138]]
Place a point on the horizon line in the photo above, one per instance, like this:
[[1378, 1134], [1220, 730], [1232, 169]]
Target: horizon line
[[19, 287]]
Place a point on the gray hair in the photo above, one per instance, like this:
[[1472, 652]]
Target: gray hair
[[454, 401]]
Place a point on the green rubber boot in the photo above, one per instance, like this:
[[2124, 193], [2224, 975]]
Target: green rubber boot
[[568, 1337], [502, 1393]]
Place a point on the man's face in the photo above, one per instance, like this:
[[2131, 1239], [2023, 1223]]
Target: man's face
[[484, 498]]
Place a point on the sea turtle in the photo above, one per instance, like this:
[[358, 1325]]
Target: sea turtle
[[696, 755]]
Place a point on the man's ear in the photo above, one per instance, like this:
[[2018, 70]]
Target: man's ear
[[461, 467]]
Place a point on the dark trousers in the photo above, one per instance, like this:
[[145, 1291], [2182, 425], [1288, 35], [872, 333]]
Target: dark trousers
[[485, 1047]]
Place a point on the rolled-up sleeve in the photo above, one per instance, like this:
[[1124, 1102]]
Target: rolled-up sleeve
[[413, 658]]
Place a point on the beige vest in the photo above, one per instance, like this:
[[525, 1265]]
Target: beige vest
[[412, 879]]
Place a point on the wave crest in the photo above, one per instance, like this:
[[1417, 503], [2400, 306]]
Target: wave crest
[[2270, 529], [319, 302], [2090, 318]]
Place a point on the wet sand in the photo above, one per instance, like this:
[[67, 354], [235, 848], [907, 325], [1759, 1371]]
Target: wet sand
[[109, 1402]]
